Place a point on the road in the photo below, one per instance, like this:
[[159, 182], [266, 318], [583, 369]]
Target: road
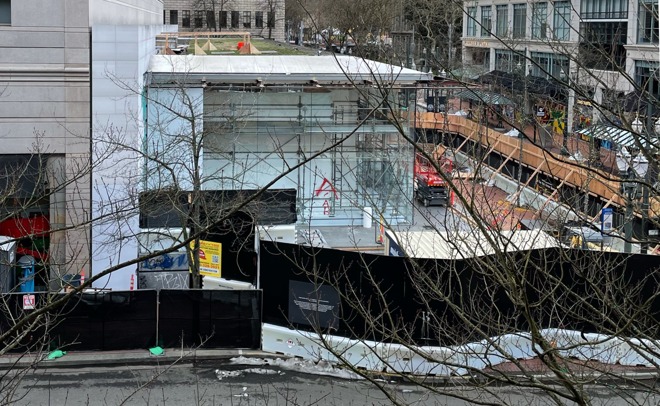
[[188, 384]]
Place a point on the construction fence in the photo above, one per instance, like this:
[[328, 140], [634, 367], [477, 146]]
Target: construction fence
[[140, 319]]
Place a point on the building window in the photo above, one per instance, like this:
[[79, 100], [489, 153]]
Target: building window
[[509, 61], [5, 12], [604, 9], [481, 57], [502, 20], [539, 20], [519, 20], [223, 19], [174, 17], [210, 20], [562, 20], [645, 71], [647, 22], [199, 19], [547, 65], [602, 45], [271, 19], [247, 19], [185, 18], [486, 21], [235, 16], [259, 19], [472, 22]]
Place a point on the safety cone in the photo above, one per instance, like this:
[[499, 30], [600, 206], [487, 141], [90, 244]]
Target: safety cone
[[82, 277], [132, 282]]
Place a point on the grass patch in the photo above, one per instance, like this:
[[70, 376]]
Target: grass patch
[[227, 46]]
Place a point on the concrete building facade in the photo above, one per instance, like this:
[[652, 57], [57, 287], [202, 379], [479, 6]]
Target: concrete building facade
[[263, 18], [47, 112], [609, 46]]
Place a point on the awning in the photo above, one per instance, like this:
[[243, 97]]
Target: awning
[[616, 135], [484, 97]]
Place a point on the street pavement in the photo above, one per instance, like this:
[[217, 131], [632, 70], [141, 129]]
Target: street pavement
[[218, 382]]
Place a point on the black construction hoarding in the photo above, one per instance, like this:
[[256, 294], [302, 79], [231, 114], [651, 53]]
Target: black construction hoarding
[[405, 290]]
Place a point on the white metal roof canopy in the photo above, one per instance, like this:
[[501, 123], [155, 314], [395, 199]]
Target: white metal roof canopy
[[617, 136], [277, 69], [468, 244]]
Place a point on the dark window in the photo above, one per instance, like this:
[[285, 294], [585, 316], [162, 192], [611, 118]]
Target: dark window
[[235, 16], [164, 17], [644, 72], [259, 19], [509, 61], [5, 11], [199, 19], [247, 19], [210, 20], [539, 20], [174, 17], [647, 22], [271, 19], [486, 21], [185, 18], [602, 45], [604, 9], [223, 19], [519, 20]]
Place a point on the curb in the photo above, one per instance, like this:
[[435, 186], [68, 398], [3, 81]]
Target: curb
[[124, 358]]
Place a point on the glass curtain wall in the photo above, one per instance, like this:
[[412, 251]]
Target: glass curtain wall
[[254, 134]]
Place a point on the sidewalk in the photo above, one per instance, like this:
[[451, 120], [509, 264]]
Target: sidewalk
[[82, 359]]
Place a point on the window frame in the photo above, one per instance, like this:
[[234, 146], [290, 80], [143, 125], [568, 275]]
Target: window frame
[[259, 19], [270, 19], [185, 18], [561, 20], [198, 20], [501, 20], [471, 28], [224, 19], [648, 15], [175, 14], [516, 31], [235, 19], [5, 10], [540, 20], [247, 19], [486, 21]]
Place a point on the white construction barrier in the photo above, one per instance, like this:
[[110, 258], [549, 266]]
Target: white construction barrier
[[457, 360]]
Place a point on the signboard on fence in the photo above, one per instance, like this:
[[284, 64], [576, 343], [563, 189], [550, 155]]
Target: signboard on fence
[[29, 302], [210, 258], [606, 219]]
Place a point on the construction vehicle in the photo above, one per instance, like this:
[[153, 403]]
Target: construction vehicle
[[430, 187]]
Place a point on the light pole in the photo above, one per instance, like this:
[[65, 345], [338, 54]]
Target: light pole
[[633, 166], [654, 130]]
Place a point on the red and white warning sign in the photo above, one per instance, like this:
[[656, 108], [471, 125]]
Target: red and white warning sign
[[326, 207], [29, 302]]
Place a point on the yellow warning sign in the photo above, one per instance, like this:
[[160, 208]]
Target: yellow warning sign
[[210, 257]]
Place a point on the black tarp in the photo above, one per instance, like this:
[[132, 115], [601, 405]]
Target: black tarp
[[455, 291], [128, 320]]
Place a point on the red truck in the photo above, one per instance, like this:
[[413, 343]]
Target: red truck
[[430, 188]]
